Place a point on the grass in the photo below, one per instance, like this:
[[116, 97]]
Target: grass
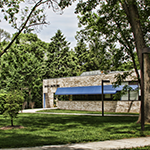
[[81, 111], [139, 148], [43, 129]]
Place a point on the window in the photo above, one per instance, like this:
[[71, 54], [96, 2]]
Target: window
[[131, 95]]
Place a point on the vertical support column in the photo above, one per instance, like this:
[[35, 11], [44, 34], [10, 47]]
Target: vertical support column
[[51, 99], [57, 101]]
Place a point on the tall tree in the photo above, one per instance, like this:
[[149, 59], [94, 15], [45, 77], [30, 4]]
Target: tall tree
[[82, 53], [61, 62], [23, 67], [99, 54], [126, 22]]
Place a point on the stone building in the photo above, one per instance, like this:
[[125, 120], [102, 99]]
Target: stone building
[[129, 102]]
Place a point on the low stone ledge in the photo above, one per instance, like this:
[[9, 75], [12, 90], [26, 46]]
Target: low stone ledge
[[109, 106]]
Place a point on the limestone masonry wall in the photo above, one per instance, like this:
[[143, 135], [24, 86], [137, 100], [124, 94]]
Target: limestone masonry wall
[[109, 106]]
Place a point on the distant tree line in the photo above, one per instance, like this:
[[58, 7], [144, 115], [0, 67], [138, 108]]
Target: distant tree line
[[31, 60]]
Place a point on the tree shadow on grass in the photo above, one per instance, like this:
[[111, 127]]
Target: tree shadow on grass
[[65, 122], [74, 124], [132, 130], [13, 140], [42, 129], [42, 120]]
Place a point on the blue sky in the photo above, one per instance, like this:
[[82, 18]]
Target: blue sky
[[67, 23]]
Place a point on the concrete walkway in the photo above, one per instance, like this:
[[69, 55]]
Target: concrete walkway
[[101, 145], [35, 110], [78, 114]]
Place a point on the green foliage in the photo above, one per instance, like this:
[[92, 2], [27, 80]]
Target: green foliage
[[126, 89], [13, 103], [65, 3], [23, 67], [27, 17], [122, 77], [2, 102], [61, 62], [110, 24], [119, 79], [30, 16], [82, 54]]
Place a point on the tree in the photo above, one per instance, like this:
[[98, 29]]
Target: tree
[[82, 54], [100, 26], [127, 22], [23, 67], [13, 103], [103, 55], [61, 62], [100, 55]]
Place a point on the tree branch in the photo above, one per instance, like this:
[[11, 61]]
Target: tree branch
[[36, 24], [22, 27], [130, 51]]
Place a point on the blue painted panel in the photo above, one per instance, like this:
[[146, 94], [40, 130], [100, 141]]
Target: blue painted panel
[[44, 100]]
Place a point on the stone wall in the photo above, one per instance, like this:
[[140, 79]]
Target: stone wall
[[109, 106], [49, 85]]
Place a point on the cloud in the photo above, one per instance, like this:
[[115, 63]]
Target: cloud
[[67, 23], [7, 27]]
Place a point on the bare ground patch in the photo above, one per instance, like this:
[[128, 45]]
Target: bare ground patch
[[11, 127]]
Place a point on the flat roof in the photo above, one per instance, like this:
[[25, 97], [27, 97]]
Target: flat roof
[[112, 72]]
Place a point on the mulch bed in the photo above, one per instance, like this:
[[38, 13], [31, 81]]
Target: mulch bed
[[12, 127]]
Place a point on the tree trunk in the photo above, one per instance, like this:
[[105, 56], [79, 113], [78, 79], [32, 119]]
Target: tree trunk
[[147, 87], [12, 122], [131, 10]]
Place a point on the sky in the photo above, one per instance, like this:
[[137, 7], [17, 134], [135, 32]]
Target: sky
[[67, 23]]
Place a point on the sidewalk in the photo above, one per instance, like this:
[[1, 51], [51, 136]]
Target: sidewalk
[[38, 109], [35, 110], [101, 145]]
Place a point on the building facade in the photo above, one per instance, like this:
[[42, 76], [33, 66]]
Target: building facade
[[128, 103]]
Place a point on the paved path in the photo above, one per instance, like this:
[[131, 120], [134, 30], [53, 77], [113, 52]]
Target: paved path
[[35, 111], [101, 145]]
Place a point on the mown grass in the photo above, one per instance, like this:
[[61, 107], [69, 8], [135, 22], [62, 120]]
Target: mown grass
[[138, 148], [81, 111], [43, 129]]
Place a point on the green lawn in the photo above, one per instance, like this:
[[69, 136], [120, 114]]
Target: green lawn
[[43, 129], [139, 148], [81, 111]]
